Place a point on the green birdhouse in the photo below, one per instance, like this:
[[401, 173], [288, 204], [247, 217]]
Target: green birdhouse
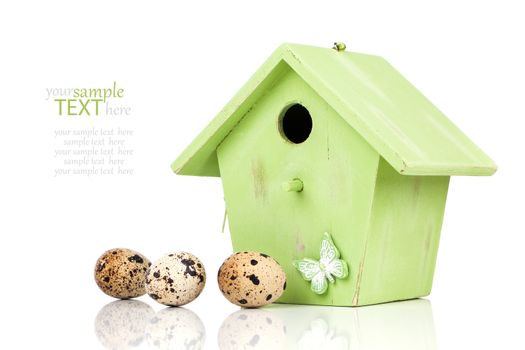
[[336, 166]]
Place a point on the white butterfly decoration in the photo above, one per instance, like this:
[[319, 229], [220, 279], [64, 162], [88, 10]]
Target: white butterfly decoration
[[326, 269]]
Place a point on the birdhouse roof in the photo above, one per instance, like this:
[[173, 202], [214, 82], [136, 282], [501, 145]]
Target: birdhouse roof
[[401, 124]]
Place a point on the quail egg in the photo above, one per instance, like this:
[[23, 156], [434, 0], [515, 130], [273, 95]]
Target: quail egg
[[121, 273], [176, 279], [251, 279]]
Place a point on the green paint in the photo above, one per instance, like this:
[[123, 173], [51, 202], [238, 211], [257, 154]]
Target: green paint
[[357, 175], [338, 187], [296, 185], [403, 126], [403, 236]]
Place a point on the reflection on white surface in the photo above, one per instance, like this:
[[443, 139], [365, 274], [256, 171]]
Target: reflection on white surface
[[121, 324], [124, 324], [175, 328], [252, 329], [320, 336], [402, 325]]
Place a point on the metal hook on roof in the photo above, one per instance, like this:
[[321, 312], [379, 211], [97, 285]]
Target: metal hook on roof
[[338, 46]]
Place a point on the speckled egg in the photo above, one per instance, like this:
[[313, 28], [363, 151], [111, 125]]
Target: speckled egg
[[251, 279], [176, 279], [121, 273]]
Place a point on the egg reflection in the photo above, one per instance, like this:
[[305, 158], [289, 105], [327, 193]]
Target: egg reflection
[[406, 325], [121, 324], [252, 329], [175, 328]]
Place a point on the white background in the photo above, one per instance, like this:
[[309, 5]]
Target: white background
[[179, 64]]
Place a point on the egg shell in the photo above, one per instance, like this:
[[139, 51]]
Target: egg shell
[[251, 279], [176, 279], [121, 273]]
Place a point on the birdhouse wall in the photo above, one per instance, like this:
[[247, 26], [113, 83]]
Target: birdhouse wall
[[338, 170], [402, 243]]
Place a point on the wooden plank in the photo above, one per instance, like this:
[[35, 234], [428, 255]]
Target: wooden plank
[[403, 238]]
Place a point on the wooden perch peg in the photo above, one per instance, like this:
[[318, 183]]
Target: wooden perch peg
[[296, 185]]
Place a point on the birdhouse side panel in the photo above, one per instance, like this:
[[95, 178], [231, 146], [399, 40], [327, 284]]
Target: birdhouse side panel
[[404, 234], [270, 213]]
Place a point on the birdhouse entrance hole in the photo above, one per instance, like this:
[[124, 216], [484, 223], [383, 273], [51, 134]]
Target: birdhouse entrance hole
[[295, 124]]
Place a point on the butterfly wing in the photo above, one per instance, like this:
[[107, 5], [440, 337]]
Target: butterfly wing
[[319, 284], [308, 268], [329, 251], [332, 266], [337, 268]]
